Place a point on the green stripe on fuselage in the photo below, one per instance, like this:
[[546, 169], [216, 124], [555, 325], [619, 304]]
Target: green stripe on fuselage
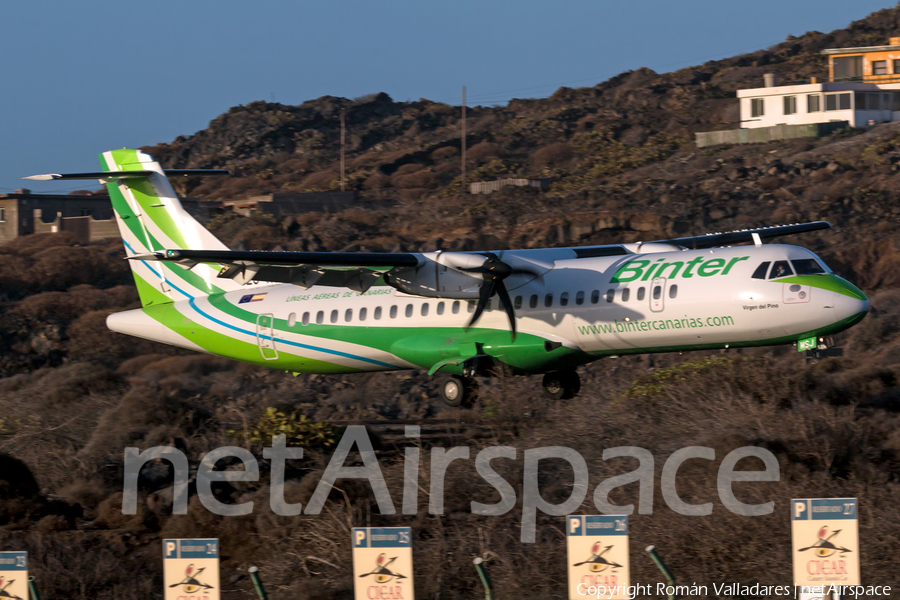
[[224, 345], [829, 282], [425, 346]]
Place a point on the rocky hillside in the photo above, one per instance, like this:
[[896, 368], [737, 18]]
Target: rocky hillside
[[73, 395]]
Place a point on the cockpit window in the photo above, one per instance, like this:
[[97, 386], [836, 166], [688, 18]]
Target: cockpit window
[[781, 268], [760, 272], [807, 266]]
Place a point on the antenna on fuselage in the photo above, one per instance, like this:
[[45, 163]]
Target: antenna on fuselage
[[756, 239]]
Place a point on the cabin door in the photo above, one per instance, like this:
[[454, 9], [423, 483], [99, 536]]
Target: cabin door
[[265, 336], [657, 294]]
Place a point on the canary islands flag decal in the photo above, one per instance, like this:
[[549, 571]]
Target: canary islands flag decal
[[252, 298]]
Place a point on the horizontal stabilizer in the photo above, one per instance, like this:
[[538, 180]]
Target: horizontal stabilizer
[[115, 175]]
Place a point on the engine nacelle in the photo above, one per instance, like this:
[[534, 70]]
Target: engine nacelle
[[434, 280], [445, 275]]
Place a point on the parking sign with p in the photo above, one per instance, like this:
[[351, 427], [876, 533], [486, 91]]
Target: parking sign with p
[[14, 575]]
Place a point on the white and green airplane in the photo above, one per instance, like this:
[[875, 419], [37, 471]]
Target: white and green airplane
[[556, 309]]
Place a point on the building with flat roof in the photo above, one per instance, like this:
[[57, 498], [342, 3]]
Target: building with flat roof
[[862, 89], [872, 64], [858, 103], [89, 217]]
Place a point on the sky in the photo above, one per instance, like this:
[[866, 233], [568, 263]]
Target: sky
[[79, 78]]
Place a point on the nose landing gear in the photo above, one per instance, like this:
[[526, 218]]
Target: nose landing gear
[[561, 385]]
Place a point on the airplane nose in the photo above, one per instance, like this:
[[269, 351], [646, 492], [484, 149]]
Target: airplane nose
[[847, 307]]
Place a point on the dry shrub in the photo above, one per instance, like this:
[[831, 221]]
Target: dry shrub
[[197, 366], [110, 516], [444, 153], [29, 244], [359, 216], [136, 415], [377, 181], [417, 180], [89, 493], [869, 264], [408, 168], [295, 166], [91, 339], [553, 155], [321, 181], [260, 237], [484, 150], [75, 301]]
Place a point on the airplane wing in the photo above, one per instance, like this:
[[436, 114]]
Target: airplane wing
[[360, 270], [357, 271], [456, 275]]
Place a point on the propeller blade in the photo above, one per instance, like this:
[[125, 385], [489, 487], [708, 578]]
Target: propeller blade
[[484, 296], [508, 307]]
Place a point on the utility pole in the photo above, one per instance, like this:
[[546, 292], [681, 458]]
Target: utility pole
[[463, 139], [343, 130]]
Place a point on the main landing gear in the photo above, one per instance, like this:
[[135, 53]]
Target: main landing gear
[[561, 385], [457, 391]]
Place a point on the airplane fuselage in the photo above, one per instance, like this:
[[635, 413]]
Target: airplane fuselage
[[578, 311]]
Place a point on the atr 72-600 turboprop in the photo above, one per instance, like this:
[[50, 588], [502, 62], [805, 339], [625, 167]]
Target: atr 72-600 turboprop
[[555, 309]]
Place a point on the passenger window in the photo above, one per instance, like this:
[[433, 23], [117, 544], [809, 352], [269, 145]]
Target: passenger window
[[440, 308], [348, 315], [320, 317], [579, 298], [533, 301], [425, 310], [564, 299], [781, 268], [760, 272], [595, 296], [394, 312], [292, 319], [455, 309], [377, 314], [548, 300], [807, 266], [409, 310], [657, 292], [610, 295], [305, 320], [362, 314], [334, 316], [673, 291], [471, 306], [640, 295], [518, 302], [626, 294]]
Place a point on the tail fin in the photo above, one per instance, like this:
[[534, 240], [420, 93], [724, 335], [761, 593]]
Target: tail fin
[[151, 218]]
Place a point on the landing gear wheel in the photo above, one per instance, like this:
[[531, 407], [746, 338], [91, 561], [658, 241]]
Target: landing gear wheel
[[561, 385], [457, 391]]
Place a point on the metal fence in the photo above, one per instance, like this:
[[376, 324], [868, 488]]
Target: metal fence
[[486, 187], [761, 135]]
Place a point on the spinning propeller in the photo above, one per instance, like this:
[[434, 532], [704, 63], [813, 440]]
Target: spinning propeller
[[494, 271]]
